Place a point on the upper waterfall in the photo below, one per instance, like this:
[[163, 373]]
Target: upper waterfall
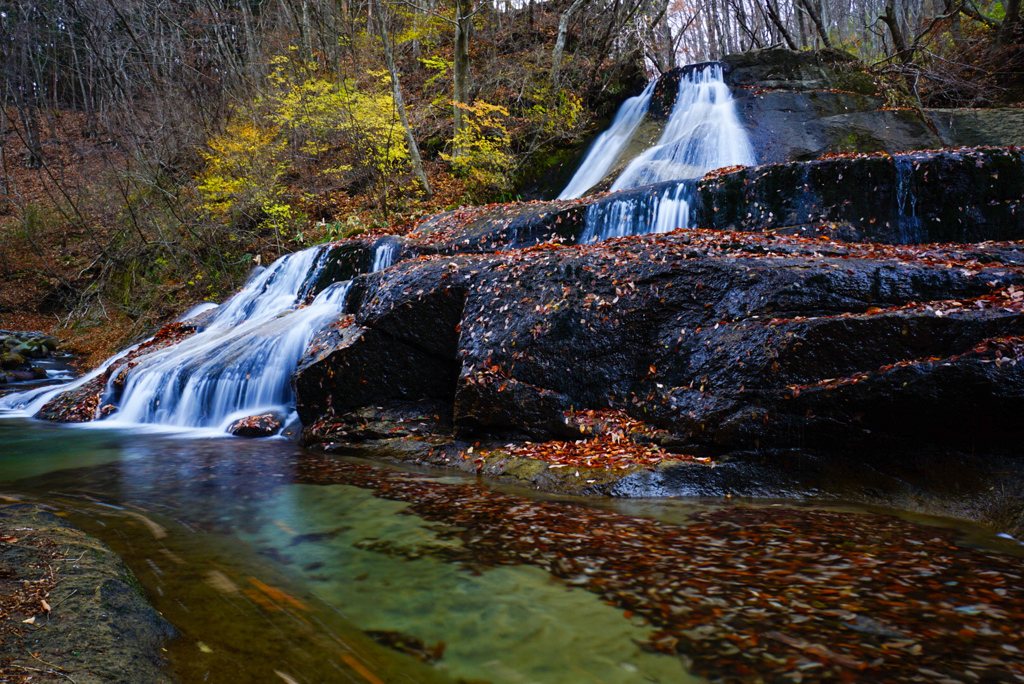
[[703, 133], [609, 145]]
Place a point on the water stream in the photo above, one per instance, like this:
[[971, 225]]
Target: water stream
[[609, 145], [702, 133], [238, 364], [657, 210], [273, 560]]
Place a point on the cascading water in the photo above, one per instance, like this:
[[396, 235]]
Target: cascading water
[[703, 133], [384, 255], [653, 211], [908, 223], [609, 145], [240, 363]]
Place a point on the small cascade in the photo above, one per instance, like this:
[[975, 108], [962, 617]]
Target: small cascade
[[239, 364], [654, 210], [703, 133], [609, 145], [384, 255], [910, 227], [225, 373]]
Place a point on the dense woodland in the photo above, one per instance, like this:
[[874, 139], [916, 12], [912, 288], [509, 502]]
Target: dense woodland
[[154, 151]]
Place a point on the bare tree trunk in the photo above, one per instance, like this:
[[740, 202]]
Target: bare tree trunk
[[1010, 22], [563, 28], [396, 91], [773, 14], [460, 75], [815, 16], [899, 42]]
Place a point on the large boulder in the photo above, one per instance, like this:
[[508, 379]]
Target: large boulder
[[703, 333], [797, 106]]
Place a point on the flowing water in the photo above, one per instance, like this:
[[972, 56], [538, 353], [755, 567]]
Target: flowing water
[[658, 210], [609, 145], [702, 133], [281, 565], [239, 363]]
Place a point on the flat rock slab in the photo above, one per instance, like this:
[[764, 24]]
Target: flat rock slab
[[92, 626]]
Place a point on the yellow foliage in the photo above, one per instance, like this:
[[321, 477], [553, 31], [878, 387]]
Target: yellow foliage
[[558, 121], [242, 169], [481, 149], [319, 113], [303, 115]]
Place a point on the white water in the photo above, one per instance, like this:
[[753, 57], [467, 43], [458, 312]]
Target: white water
[[384, 255], [609, 145], [639, 214], [703, 133], [239, 365]]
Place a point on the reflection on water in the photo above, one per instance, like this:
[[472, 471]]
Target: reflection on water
[[264, 573], [280, 565]]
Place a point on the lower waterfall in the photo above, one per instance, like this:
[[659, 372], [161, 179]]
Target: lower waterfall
[[652, 210], [238, 364]]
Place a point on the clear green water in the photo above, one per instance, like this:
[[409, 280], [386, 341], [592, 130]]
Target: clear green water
[[207, 524], [282, 566]]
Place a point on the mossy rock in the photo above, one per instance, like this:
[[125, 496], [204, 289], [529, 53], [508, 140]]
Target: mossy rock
[[13, 361]]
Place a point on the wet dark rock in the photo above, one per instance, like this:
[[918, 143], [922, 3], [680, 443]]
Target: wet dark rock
[[962, 195], [400, 345], [99, 627], [12, 361], [33, 345], [408, 644], [798, 70], [794, 125], [797, 106], [493, 227], [263, 425], [976, 127], [737, 344], [342, 261]]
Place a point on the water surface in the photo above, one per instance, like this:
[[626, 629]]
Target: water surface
[[282, 565]]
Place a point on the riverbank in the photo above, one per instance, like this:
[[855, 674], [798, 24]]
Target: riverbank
[[70, 610]]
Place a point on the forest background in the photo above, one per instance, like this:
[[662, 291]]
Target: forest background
[[152, 152]]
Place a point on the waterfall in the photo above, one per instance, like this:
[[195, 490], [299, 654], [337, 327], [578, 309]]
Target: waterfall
[[609, 145], [909, 225], [654, 210], [384, 255], [703, 133], [239, 364]]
